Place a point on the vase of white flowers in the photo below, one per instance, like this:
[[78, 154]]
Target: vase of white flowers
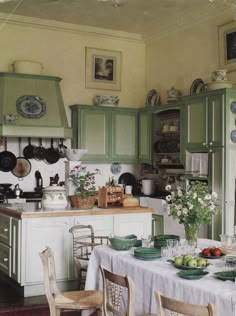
[[84, 184], [193, 207]]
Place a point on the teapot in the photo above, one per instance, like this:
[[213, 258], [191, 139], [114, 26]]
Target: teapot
[[54, 197]]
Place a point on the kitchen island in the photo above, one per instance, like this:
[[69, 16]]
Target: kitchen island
[[25, 230]]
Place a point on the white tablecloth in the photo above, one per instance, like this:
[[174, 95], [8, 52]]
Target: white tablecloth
[[149, 276]]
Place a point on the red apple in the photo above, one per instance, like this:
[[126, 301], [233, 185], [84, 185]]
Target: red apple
[[206, 252], [215, 252]]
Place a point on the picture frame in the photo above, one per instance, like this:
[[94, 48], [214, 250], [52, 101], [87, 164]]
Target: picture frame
[[227, 46], [103, 69]]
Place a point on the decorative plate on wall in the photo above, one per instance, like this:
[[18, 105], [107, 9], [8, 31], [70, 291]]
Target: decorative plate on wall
[[31, 106], [116, 168], [197, 86], [153, 99]]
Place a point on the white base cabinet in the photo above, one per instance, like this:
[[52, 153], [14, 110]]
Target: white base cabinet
[[29, 236]]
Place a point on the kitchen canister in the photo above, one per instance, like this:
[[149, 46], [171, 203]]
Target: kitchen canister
[[27, 67], [148, 187]]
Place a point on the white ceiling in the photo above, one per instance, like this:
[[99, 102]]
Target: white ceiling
[[136, 16]]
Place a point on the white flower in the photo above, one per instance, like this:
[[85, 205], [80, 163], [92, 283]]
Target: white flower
[[190, 205], [214, 195], [194, 195], [185, 211], [168, 198], [179, 213], [207, 197], [180, 193], [168, 187], [179, 207]]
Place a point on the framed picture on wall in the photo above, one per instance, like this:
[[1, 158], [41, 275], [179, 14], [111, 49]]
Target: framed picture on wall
[[227, 46], [103, 69]]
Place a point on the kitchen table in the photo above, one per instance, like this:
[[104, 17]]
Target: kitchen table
[[149, 276]]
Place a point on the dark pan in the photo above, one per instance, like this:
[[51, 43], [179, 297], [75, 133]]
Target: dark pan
[[127, 179], [28, 151], [52, 155], [23, 165], [7, 159], [61, 149], [40, 151]]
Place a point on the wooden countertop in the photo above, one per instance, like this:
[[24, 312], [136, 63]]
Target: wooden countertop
[[31, 210]]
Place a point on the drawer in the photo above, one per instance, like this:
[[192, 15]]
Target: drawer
[[5, 229], [5, 259]]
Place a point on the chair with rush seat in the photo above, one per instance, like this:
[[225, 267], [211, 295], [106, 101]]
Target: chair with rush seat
[[84, 241], [73, 300], [182, 308], [115, 287]]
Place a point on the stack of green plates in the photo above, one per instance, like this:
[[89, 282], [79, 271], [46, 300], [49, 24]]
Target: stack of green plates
[[147, 253], [161, 240]]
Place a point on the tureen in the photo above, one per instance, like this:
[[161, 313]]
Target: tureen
[[54, 197]]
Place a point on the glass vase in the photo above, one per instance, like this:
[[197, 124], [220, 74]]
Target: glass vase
[[191, 232]]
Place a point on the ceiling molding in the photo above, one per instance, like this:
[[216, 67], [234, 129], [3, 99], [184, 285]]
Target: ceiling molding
[[68, 27]]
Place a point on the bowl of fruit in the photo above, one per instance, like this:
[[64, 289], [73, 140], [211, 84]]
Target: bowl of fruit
[[188, 262], [211, 253]]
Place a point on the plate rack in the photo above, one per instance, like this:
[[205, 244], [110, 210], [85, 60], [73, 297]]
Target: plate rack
[[110, 196]]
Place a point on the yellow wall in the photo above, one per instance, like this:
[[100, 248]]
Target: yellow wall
[[183, 56], [61, 50]]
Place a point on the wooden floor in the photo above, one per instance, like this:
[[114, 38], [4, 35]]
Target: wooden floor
[[11, 304]]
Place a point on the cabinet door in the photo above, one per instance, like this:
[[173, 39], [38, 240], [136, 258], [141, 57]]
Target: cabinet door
[[102, 224], [91, 132], [145, 138], [216, 183], [38, 233], [124, 133], [5, 259], [15, 249], [196, 122], [138, 224], [216, 120], [5, 229]]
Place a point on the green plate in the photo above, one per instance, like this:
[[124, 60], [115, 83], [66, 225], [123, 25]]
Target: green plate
[[192, 274], [182, 267], [225, 275], [210, 257], [147, 258]]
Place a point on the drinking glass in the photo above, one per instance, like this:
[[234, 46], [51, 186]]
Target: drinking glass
[[164, 253], [146, 240]]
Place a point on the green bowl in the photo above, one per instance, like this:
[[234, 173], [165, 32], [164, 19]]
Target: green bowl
[[123, 243], [161, 240], [192, 274]]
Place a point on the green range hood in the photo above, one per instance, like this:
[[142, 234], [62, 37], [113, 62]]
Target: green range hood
[[32, 106]]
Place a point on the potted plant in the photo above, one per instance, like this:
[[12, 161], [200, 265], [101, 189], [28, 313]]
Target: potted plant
[[84, 184], [193, 207]]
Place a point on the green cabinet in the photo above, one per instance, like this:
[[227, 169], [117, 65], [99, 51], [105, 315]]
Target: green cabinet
[[109, 134], [145, 136], [208, 112], [157, 225]]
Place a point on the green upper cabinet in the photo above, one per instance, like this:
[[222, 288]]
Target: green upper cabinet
[[124, 131], [145, 136], [208, 112], [109, 134]]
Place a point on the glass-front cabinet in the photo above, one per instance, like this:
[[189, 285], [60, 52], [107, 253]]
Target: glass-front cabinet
[[168, 148]]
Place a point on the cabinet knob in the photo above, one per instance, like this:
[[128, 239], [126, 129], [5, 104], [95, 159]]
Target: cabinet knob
[[5, 259], [211, 143], [210, 150], [204, 144], [5, 229]]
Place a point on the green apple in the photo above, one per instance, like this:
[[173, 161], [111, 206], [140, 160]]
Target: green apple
[[186, 259], [192, 263], [201, 262], [179, 261]]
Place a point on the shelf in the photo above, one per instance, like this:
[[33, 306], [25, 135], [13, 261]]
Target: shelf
[[168, 133], [167, 154]]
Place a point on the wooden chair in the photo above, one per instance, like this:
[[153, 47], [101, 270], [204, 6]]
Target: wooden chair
[[117, 291], [182, 308], [84, 241], [73, 300]]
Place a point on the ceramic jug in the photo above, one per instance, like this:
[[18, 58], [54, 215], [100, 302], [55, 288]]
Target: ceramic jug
[[54, 197]]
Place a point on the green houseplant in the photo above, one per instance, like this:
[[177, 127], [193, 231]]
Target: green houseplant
[[193, 207], [83, 182]]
